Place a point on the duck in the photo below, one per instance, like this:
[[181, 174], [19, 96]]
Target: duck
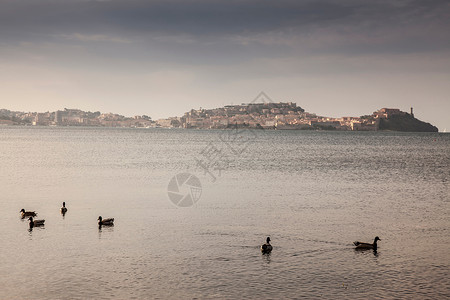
[[63, 208], [105, 222], [267, 247], [24, 213], [35, 223], [365, 246]]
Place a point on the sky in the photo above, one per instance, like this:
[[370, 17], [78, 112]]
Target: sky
[[163, 58]]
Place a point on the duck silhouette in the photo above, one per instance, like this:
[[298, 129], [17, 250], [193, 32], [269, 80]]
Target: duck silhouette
[[35, 223], [367, 246], [267, 247], [24, 213], [63, 208], [105, 222]]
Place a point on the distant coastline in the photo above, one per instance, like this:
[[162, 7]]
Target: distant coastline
[[276, 116]]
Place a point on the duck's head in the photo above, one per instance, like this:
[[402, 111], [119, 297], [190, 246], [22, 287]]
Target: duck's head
[[100, 218], [377, 239], [64, 204], [268, 240], [22, 210], [30, 219]]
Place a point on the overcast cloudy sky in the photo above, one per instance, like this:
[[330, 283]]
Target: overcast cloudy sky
[[162, 58]]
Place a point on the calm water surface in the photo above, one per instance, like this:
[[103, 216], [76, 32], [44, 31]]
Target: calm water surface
[[313, 193]]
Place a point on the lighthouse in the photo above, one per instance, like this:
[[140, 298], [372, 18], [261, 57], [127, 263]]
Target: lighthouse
[[412, 114]]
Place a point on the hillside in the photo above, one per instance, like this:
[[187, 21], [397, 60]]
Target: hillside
[[405, 123]]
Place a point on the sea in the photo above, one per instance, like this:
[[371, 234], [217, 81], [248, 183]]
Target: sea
[[193, 207]]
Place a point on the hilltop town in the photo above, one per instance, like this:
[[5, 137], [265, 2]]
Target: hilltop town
[[289, 116], [279, 116]]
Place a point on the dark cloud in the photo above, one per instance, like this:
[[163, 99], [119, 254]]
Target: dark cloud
[[214, 19], [197, 18], [221, 32]]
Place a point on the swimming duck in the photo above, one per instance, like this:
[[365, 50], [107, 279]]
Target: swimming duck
[[63, 208], [363, 246], [105, 222], [267, 247], [35, 223], [24, 213]]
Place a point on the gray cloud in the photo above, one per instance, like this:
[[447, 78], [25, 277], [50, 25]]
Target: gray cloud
[[152, 35], [199, 18], [371, 26]]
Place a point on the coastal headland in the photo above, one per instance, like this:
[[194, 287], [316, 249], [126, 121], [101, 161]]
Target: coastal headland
[[276, 116]]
